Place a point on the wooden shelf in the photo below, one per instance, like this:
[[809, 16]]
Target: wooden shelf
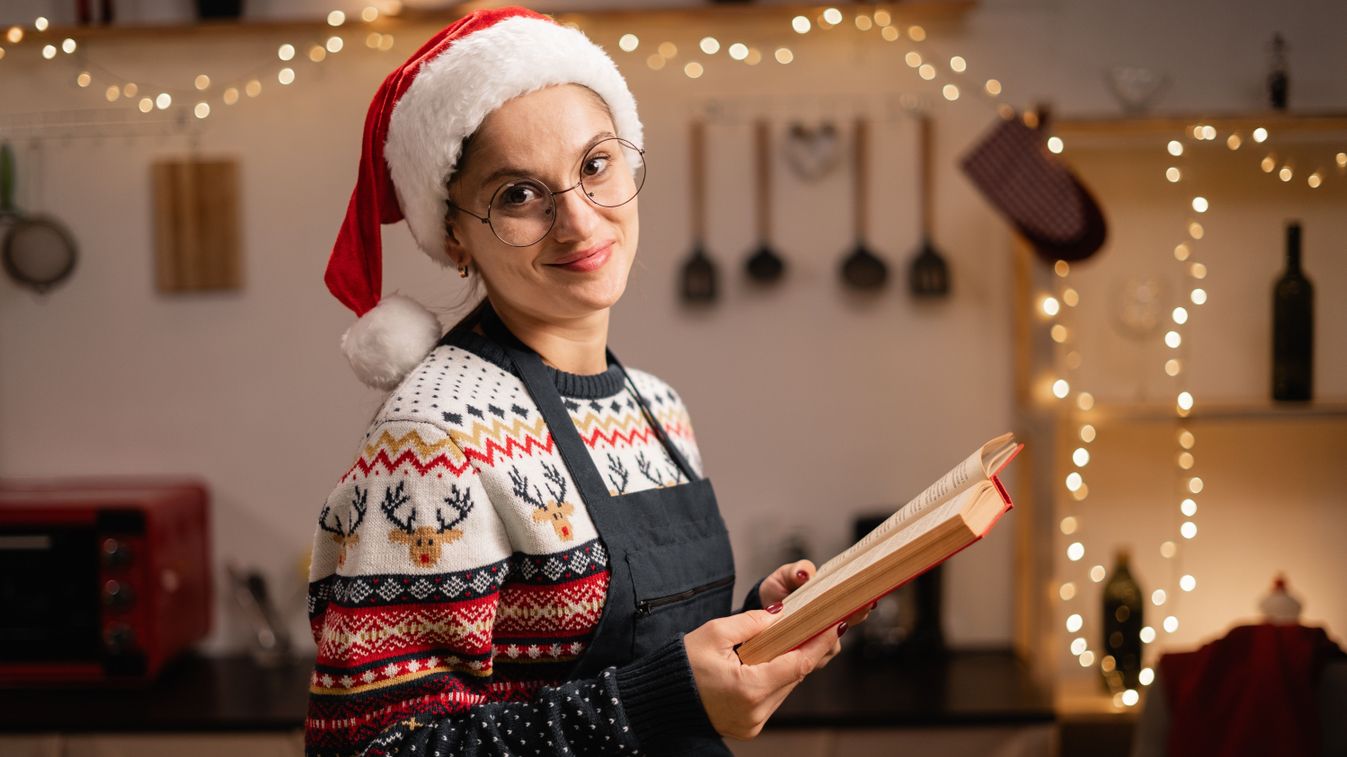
[[1223, 411], [673, 16]]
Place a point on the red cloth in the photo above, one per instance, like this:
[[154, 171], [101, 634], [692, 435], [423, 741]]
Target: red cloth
[[1249, 694], [355, 268]]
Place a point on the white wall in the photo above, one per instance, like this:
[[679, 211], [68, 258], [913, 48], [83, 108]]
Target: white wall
[[809, 406]]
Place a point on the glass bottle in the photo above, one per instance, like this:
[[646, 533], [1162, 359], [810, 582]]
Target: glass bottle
[[1124, 615], [1293, 327]]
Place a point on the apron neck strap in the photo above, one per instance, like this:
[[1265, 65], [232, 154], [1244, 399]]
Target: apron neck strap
[[545, 395]]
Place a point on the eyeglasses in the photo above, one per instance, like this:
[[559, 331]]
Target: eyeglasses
[[522, 212]]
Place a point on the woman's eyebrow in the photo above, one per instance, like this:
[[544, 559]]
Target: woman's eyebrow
[[513, 171]]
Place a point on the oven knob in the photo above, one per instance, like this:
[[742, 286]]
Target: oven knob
[[119, 638], [116, 554], [118, 595]]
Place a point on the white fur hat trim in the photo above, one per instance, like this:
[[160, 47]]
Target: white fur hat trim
[[453, 93], [386, 343]]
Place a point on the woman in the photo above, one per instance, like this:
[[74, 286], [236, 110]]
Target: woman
[[525, 557]]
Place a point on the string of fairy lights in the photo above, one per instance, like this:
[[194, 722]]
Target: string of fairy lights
[[204, 92], [1189, 485]]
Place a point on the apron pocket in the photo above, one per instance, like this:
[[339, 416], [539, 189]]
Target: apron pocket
[[677, 588]]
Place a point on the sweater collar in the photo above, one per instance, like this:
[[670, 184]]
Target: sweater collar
[[576, 385]]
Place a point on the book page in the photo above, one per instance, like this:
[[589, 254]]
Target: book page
[[900, 537]]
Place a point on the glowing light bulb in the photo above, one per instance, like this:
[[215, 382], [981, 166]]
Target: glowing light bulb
[[1198, 296], [1081, 457], [710, 45], [916, 33], [1195, 485], [1181, 251], [1260, 135], [1055, 145], [336, 18], [1084, 400], [1067, 591], [1188, 507], [1058, 333], [1086, 658], [230, 96], [334, 44], [1180, 315], [926, 71], [163, 101], [693, 70], [1186, 460], [67, 45], [1050, 306], [1185, 400], [1200, 204], [49, 51], [1073, 482], [1060, 388], [958, 64], [832, 16], [863, 22], [1168, 549], [1069, 525], [800, 24], [146, 105], [201, 110], [1233, 141], [1171, 624], [1175, 147], [1173, 174], [369, 14], [993, 87], [1070, 297], [628, 42], [1173, 339], [1074, 622], [1195, 230], [1172, 367], [285, 75], [286, 52], [1158, 597], [1097, 573], [738, 51], [1087, 433], [1187, 583], [1147, 634], [1314, 180], [84, 79], [1075, 551], [913, 59], [784, 55], [1188, 530], [253, 88], [1079, 645], [1130, 697], [950, 91], [1146, 676], [889, 33], [40, 23]]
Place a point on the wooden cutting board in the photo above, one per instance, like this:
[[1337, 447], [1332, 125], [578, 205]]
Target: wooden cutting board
[[196, 223]]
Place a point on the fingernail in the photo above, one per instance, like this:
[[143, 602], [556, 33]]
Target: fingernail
[[773, 608], [803, 575], [841, 629]]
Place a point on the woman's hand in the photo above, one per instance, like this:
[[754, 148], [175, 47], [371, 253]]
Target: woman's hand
[[739, 698], [792, 576]]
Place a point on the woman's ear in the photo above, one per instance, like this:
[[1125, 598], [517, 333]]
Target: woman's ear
[[453, 244]]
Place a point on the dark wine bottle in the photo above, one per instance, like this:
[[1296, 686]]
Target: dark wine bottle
[[1124, 616], [1293, 327]]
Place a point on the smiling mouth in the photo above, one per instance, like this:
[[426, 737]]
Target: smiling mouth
[[591, 252]]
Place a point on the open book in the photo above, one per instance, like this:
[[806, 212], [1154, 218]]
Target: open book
[[955, 511]]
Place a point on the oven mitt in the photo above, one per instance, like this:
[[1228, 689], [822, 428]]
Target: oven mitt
[[1046, 203]]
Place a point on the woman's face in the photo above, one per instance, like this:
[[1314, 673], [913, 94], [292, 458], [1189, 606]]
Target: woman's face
[[545, 134]]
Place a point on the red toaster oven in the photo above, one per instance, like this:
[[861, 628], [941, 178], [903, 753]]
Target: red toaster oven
[[101, 580]]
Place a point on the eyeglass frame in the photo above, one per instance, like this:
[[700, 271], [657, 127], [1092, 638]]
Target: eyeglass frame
[[552, 194]]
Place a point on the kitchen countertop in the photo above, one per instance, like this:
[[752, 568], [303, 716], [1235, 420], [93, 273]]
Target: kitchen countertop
[[232, 693]]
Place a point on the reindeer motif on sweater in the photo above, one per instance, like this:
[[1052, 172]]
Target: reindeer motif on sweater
[[424, 541]]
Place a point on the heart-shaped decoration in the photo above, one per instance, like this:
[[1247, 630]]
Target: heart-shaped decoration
[[812, 152]]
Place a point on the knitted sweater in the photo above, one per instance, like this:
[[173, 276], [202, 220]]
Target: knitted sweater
[[456, 575]]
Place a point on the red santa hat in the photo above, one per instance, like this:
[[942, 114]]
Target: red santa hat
[[414, 134]]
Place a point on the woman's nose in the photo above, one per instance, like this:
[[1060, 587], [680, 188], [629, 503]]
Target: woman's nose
[[577, 216]]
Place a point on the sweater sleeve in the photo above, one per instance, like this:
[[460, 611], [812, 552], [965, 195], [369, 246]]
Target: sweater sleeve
[[409, 561]]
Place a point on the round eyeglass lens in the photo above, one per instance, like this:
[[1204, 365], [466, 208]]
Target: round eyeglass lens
[[611, 173]]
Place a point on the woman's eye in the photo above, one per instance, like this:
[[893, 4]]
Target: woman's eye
[[520, 194], [596, 165]]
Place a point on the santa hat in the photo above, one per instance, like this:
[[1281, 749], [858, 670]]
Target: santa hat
[[414, 134]]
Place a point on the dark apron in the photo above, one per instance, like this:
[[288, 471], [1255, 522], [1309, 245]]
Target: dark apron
[[669, 553]]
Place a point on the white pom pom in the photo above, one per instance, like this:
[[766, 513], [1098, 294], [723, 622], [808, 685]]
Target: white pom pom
[[390, 340]]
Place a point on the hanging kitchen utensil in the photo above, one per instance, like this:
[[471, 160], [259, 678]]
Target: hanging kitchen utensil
[[764, 266], [1044, 200], [862, 270], [812, 152], [39, 252], [928, 276], [698, 284]]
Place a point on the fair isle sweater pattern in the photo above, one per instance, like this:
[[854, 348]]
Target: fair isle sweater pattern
[[454, 564]]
